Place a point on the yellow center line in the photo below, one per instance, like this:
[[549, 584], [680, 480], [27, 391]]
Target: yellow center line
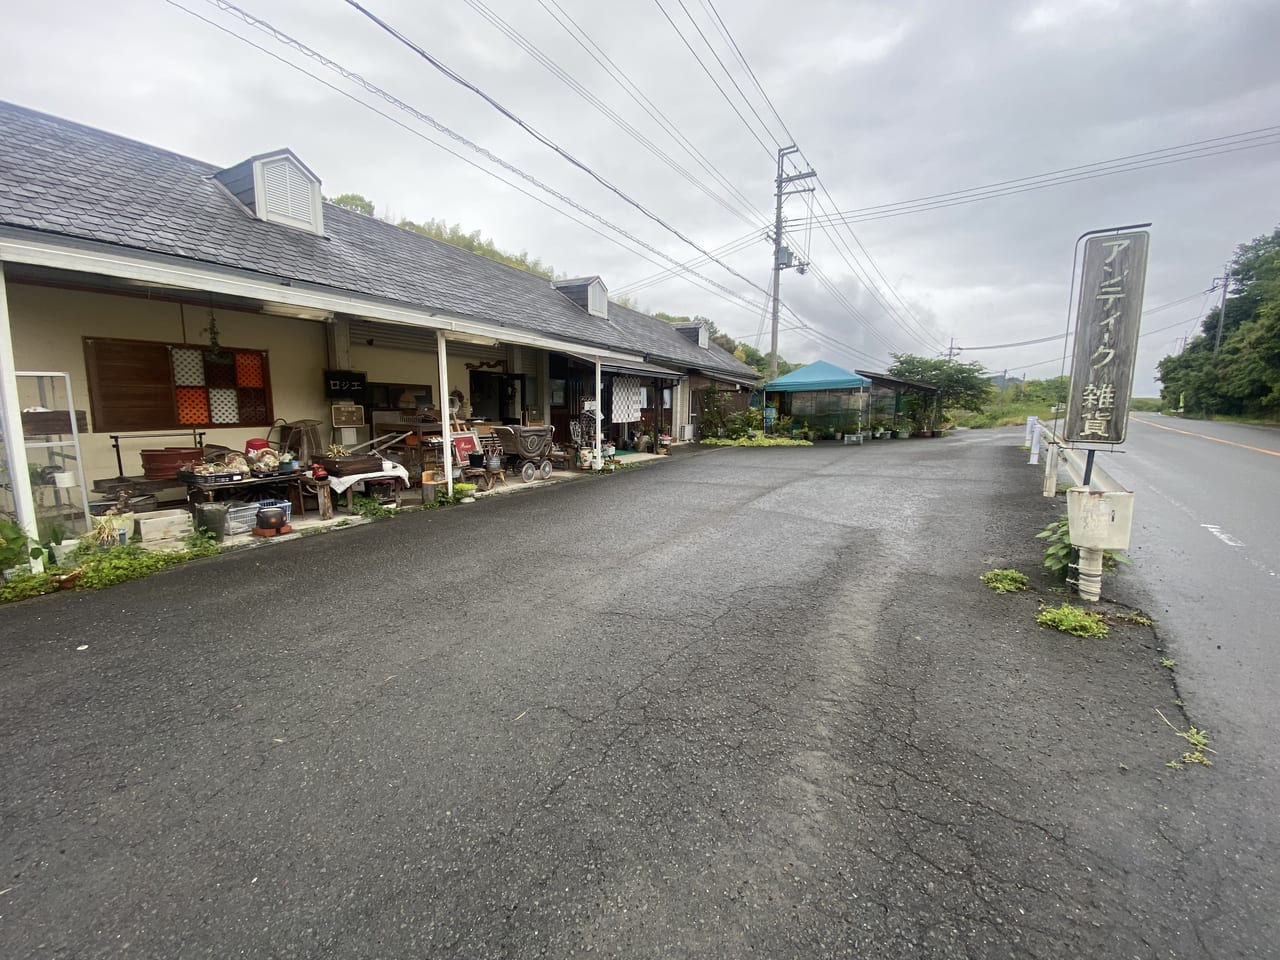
[[1201, 436]]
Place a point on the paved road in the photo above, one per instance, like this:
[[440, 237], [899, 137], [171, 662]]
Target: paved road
[[1207, 534], [744, 702], [1207, 563]]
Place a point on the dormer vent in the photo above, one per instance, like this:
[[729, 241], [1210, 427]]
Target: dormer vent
[[589, 293], [277, 187], [694, 331]]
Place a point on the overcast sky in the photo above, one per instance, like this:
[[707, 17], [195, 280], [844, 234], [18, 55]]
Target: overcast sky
[[889, 101]]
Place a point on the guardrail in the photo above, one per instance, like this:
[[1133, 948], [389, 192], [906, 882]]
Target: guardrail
[[1074, 462]]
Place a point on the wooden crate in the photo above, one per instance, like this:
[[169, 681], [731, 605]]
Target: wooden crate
[[349, 466], [43, 423]]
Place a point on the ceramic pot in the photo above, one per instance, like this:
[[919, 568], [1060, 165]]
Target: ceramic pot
[[271, 518]]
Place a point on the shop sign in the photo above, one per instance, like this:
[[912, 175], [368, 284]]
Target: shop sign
[[1111, 288], [344, 383]]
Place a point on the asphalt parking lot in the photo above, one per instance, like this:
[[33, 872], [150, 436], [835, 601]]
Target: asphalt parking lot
[[734, 703]]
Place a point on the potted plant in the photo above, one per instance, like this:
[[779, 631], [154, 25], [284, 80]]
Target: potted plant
[[465, 492]]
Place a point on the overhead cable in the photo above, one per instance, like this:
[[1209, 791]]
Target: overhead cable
[[516, 37], [543, 139], [294, 44], [1246, 140], [614, 71]]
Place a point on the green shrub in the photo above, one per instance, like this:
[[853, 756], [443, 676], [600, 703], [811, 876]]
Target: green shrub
[[744, 422], [1057, 551], [760, 440], [27, 585], [1073, 620]]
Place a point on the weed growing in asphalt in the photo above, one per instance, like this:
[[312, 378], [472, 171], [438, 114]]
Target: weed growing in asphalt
[[1166, 662], [1198, 740], [1134, 618], [1004, 581], [1073, 620], [370, 509]]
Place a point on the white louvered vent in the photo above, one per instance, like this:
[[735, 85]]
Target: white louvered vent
[[289, 194]]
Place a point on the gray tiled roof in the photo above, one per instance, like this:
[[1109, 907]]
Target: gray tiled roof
[[62, 178]]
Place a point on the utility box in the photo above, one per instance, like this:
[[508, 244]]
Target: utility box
[[1099, 520]]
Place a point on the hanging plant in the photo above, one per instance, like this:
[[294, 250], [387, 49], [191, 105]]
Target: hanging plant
[[215, 352]]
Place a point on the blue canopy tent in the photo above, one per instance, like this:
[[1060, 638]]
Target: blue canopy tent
[[820, 393]]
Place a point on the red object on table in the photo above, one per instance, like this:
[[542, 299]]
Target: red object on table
[[255, 444]]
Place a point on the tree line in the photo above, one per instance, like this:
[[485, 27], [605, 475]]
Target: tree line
[[1235, 371]]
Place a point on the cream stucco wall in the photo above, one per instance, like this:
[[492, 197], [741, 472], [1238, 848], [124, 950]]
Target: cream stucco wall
[[49, 324]]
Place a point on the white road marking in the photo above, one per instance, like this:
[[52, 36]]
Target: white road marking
[[1222, 535]]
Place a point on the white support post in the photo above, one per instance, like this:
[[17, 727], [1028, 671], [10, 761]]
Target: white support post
[[1035, 442], [597, 459], [11, 423], [446, 425], [1050, 487], [1031, 425], [1089, 574]]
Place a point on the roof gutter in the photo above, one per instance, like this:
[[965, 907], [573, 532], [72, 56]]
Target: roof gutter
[[18, 246]]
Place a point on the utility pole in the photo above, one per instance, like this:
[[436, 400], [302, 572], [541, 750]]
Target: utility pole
[[1222, 310], [951, 350], [782, 255]]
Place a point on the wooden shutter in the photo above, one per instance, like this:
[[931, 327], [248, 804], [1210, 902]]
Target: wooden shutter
[[130, 386]]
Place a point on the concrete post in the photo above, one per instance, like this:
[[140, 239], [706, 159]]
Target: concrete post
[[1035, 442], [1050, 488]]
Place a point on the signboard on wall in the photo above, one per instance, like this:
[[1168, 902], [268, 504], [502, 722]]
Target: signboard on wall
[[344, 383], [1111, 287]]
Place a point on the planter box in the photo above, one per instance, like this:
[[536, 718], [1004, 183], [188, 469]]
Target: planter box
[[165, 525]]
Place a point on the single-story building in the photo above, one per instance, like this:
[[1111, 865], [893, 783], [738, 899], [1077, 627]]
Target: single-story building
[[180, 301]]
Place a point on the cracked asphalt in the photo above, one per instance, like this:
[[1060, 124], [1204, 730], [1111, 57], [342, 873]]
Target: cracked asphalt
[[737, 703]]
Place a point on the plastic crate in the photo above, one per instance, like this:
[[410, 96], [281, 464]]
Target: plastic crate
[[242, 518]]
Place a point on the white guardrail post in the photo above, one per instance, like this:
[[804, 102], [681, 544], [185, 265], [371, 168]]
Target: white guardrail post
[[1099, 515]]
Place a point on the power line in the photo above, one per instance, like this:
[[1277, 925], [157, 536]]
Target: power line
[[614, 71], [807, 332], [732, 246], [294, 44], [561, 74], [922, 335], [919, 332], [1246, 140], [705, 69], [1144, 333], [542, 138], [727, 72], [724, 32]]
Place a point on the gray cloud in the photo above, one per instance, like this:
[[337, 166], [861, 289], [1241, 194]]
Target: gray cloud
[[890, 101]]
